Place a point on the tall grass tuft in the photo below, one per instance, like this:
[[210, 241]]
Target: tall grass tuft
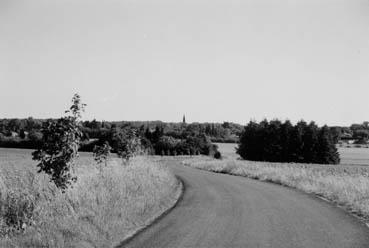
[[101, 210]]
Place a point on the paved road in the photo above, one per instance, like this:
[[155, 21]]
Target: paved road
[[227, 211]]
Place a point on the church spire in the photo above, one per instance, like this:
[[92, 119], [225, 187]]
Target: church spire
[[184, 119]]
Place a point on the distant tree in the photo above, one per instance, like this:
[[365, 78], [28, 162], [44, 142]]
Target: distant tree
[[95, 124], [147, 146], [166, 143], [226, 125], [287, 132], [61, 139], [155, 136], [361, 136], [327, 151], [250, 146], [22, 134], [272, 141], [366, 124], [310, 143], [35, 136], [105, 125], [337, 133], [14, 125], [126, 143]]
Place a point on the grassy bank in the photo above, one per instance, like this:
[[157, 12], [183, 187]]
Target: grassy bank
[[100, 211], [346, 185]]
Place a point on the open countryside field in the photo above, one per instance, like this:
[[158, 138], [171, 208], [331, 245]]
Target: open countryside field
[[349, 156], [101, 210]]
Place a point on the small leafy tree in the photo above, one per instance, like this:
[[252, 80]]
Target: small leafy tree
[[101, 153], [60, 143], [126, 143]]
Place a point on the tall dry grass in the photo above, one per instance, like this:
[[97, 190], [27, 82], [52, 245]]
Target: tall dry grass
[[346, 185], [101, 210]]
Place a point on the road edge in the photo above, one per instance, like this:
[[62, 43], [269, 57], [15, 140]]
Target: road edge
[[362, 219], [180, 189]]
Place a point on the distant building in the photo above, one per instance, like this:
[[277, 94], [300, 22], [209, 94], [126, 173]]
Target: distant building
[[184, 119]]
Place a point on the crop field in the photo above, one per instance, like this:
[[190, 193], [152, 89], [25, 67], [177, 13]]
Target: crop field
[[349, 156], [102, 209]]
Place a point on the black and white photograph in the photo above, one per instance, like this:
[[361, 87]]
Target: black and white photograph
[[184, 123]]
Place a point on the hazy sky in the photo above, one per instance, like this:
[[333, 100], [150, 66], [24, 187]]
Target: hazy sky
[[213, 60]]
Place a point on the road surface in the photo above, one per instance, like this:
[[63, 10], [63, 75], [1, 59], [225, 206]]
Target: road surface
[[220, 210]]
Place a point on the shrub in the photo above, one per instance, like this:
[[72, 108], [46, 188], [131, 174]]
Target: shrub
[[61, 139], [101, 153], [217, 155], [166, 143], [147, 147], [22, 134], [126, 143]]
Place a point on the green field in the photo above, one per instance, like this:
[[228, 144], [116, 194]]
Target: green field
[[349, 156]]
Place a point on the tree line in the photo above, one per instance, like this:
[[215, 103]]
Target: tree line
[[26, 133], [357, 133], [275, 141]]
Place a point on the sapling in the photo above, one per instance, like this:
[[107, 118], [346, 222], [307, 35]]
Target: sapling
[[60, 142], [101, 154]]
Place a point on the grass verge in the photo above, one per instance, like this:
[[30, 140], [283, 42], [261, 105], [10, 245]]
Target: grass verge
[[101, 210], [347, 186]]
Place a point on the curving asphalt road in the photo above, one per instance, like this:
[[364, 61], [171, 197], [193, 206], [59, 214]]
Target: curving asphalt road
[[220, 210]]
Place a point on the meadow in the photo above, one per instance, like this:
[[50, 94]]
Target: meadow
[[102, 209], [346, 184]]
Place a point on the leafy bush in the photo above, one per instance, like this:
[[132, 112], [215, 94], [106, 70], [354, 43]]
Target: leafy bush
[[126, 143], [61, 139], [166, 143], [217, 155], [101, 153]]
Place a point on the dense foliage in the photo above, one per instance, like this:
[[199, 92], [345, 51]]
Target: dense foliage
[[180, 143], [356, 133], [275, 141], [60, 143], [101, 153], [127, 138], [128, 141], [26, 133]]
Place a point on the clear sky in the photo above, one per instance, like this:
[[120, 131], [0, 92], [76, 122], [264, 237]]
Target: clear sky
[[213, 60]]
